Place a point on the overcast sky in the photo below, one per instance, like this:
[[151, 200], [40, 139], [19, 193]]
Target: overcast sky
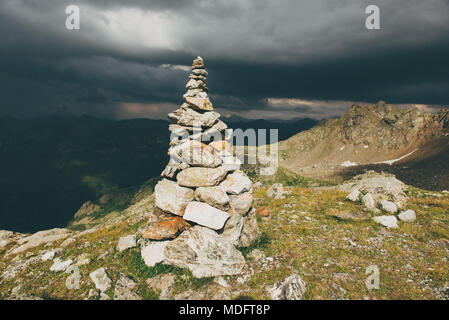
[[266, 59]]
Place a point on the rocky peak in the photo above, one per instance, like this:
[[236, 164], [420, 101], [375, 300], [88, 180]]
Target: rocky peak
[[383, 125]]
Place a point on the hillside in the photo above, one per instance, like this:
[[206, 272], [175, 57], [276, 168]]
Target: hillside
[[302, 232], [373, 136]]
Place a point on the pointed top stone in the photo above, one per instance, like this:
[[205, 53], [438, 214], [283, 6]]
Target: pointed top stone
[[198, 63]]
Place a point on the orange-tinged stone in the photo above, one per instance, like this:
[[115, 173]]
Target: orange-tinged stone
[[263, 212], [167, 228]]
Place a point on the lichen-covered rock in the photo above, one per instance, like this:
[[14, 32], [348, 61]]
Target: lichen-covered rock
[[236, 183], [123, 289], [171, 197], [196, 153], [242, 203], [199, 103], [101, 279], [291, 288], [205, 215], [380, 185], [354, 195], [250, 230], [407, 216], [214, 196], [40, 238], [153, 252], [187, 117], [368, 201], [204, 253], [201, 177], [233, 228], [198, 63], [387, 221], [173, 168], [389, 206], [126, 242], [164, 226], [276, 191]]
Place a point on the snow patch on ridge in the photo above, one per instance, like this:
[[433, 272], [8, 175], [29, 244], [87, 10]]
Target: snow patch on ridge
[[390, 162]]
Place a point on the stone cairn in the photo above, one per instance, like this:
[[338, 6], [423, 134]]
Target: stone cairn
[[204, 201]]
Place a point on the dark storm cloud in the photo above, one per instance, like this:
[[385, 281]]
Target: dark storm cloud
[[131, 55]]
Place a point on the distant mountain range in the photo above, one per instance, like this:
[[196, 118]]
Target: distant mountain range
[[50, 166]]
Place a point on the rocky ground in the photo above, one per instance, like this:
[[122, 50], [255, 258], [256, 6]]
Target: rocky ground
[[313, 239]]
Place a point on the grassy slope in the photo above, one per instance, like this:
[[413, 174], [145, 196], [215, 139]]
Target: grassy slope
[[301, 235]]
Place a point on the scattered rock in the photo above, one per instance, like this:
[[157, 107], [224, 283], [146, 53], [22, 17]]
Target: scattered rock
[[291, 288], [258, 184], [101, 279], [407, 216], [380, 185], [221, 282], [188, 295], [387, 221], [17, 266], [48, 255], [162, 283], [257, 255], [59, 265], [67, 242], [368, 201], [263, 212], [153, 253], [204, 253], [123, 289], [83, 260], [356, 216], [389, 206], [276, 191], [127, 242], [354, 195]]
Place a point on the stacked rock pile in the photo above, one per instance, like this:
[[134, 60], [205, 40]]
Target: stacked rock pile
[[204, 201]]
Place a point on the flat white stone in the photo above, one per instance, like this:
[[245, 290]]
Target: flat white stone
[[171, 197], [354, 195], [387, 221], [205, 215], [101, 279], [407, 216], [389, 206], [59, 265], [153, 253], [369, 202], [236, 183], [127, 242]]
